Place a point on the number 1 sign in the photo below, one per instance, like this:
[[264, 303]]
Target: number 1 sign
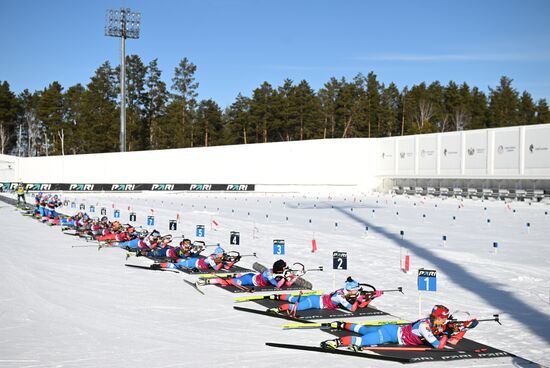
[[427, 280]]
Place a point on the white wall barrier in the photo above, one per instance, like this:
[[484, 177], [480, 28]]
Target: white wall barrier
[[358, 164], [517, 153], [270, 166]]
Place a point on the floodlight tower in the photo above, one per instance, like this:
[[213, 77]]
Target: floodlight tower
[[125, 24]]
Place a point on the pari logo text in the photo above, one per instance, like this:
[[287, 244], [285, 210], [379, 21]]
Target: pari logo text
[[123, 187], [200, 187], [81, 187], [237, 187], [162, 187]]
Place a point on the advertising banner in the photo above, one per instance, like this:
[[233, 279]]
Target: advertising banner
[[506, 149], [405, 159], [450, 152], [476, 150], [427, 154], [537, 148], [386, 156]]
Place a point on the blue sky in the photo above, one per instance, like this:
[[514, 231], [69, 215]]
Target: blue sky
[[238, 44]]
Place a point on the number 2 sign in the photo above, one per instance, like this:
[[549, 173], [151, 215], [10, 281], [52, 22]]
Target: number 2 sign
[[339, 260]]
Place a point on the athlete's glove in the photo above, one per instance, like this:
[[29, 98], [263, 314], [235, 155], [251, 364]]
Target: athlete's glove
[[471, 323]]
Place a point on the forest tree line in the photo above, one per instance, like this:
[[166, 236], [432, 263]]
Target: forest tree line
[[85, 119]]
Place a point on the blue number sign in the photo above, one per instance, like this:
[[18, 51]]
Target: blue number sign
[[427, 280], [278, 247], [200, 231]]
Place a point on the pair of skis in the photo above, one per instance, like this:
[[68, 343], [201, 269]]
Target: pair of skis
[[361, 354]]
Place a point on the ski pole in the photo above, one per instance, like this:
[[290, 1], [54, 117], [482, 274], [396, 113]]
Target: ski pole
[[249, 255], [295, 307]]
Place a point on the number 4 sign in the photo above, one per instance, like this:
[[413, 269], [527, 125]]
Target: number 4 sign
[[235, 238]]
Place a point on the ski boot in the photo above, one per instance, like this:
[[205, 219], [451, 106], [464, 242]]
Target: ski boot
[[275, 310], [330, 344], [202, 282], [338, 325]]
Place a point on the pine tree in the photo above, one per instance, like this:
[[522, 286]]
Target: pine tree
[[136, 124], [526, 109], [543, 112], [348, 107], [49, 112], [186, 93], [373, 89], [8, 118], [479, 111], [327, 97], [284, 121], [155, 104], [389, 111], [308, 111], [503, 104], [73, 120], [209, 122], [100, 115], [169, 133], [262, 111], [238, 120]]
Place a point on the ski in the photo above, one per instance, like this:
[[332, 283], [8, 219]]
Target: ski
[[71, 234], [326, 325], [194, 285], [217, 275], [271, 314], [150, 268], [362, 354], [261, 297]]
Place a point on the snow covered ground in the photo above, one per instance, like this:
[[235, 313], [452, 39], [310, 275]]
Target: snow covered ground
[[66, 305]]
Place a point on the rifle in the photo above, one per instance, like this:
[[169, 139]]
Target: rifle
[[369, 293], [301, 270], [456, 322], [456, 329], [234, 256]]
